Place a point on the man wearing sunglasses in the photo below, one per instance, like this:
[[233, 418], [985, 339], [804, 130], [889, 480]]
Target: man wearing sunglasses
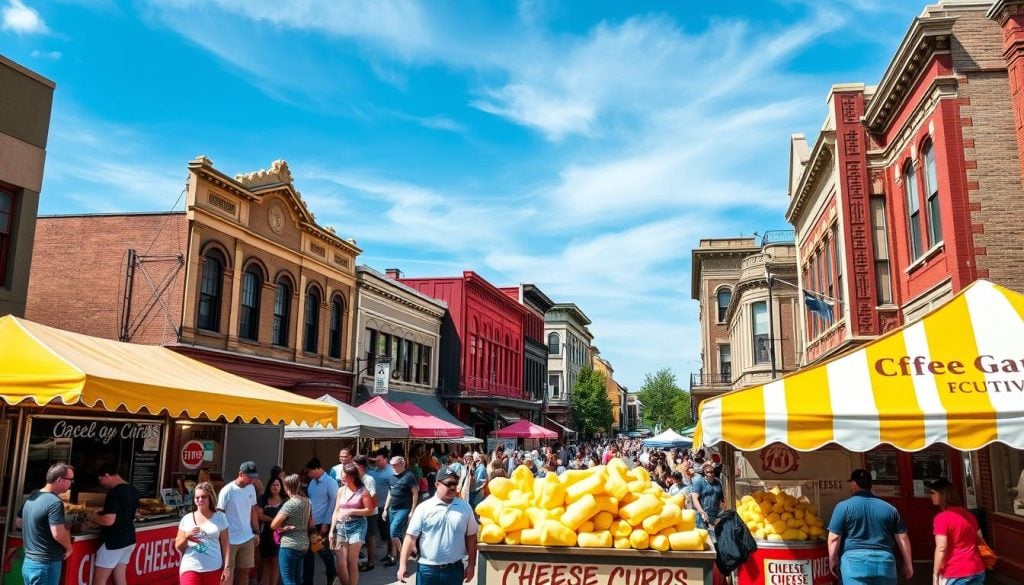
[[446, 528], [47, 540]]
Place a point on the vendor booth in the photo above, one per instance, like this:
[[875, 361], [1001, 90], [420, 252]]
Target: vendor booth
[[910, 406], [668, 440], [525, 429], [352, 428], [420, 424], [165, 420]]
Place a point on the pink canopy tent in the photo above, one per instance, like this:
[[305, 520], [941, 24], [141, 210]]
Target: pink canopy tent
[[421, 424], [525, 429]]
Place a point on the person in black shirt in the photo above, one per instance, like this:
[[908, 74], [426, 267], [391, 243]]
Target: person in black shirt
[[117, 527]]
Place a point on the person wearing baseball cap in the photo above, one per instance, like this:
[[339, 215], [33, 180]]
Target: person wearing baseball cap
[[446, 528], [237, 499], [863, 534]]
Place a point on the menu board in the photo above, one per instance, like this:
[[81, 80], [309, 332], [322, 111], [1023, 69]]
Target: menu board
[[144, 471], [132, 446]]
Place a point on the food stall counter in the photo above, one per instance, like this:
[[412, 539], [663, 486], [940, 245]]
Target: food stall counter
[[503, 564]]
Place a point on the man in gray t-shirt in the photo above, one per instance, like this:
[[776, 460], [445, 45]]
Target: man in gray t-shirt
[[46, 538]]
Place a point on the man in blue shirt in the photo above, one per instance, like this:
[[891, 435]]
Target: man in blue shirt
[[864, 532], [381, 472], [707, 495], [323, 493]]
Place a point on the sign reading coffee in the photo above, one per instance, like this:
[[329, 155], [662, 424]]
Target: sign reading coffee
[[983, 364]]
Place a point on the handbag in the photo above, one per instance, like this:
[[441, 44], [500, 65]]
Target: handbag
[[316, 542], [277, 537], [988, 556]]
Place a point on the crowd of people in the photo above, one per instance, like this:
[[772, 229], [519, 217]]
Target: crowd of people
[[422, 509]]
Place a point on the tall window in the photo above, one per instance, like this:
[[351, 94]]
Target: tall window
[[334, 344], [826, 255], [210, 291], [6, 221], [812, 318], [370, 349], [837, 261], [554, 391], [913, 211], [759, 314], [723, 298], [725, 362], [384, 346], [311, 320], [282, 312], [554, 343], [406, 359], [416, 353], [883, 284], [249, 315], [425, 364], [931, 190]]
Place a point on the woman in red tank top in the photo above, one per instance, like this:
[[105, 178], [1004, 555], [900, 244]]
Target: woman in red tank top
[[957, 560]]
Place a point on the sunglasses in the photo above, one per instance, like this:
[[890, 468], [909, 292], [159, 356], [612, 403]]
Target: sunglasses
[[71, 479], [449, 484]]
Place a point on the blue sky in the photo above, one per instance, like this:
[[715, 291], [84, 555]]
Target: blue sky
[[581, 146]]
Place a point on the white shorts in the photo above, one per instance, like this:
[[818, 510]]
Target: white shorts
[[109, 559]]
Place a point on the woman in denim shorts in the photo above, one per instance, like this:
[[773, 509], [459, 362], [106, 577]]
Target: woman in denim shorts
[[348, 525]]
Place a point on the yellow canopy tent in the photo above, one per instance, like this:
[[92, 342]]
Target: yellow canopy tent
[[955, 376], [43, 365]]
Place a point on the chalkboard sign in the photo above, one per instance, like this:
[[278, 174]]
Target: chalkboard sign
[[144, 470]]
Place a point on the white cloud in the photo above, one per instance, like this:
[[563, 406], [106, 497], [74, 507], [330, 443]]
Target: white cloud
[[51, 55], [21, 19]]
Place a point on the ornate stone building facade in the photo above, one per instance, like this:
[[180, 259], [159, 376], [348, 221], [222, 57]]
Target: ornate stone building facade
[[245, 280]]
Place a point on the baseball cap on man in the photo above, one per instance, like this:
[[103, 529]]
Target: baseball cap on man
[[446, 473], [249, 468]]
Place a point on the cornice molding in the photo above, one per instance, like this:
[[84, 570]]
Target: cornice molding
[[942, 87], [821, 159], [1003, 10], [928, 36]]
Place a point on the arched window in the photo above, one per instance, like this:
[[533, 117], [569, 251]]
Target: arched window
[[282, 311], [311, 320], [723, 298], [210, 291], [554, 343], [249, 315], [931, 193], [337, 309], [913, 211]]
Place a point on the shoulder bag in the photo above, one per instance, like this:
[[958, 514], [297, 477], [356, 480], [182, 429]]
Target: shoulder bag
[[316, 542], [988, 556]]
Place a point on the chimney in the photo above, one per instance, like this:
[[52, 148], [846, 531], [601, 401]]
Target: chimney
[[393, 273]]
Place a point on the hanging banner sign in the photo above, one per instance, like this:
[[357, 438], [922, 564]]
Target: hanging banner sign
[[381, 377]]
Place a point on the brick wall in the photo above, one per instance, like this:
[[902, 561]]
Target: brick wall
[[78, 274]]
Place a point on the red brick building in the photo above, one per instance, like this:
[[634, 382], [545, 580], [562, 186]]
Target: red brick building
[[481, 358], [912, 192], [245, 279]]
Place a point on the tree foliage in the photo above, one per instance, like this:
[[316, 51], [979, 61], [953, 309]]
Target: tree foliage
[[591, 407], [665, 404]]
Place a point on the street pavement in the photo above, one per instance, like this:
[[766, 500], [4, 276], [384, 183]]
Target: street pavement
[[380, 575]]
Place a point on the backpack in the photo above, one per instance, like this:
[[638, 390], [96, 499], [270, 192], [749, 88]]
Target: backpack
[[733, 542]]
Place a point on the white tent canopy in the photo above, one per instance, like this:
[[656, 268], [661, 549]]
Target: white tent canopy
[[350, 423], [669, 439]]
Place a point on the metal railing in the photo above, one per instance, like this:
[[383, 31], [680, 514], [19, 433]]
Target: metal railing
[[778, 237], [475, 387], [723, 379]]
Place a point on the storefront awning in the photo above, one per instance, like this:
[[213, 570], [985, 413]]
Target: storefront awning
[[421, 424], [432, 405], [43, 365], [509, 417], [956, 376], [350, 423], [562, 429]]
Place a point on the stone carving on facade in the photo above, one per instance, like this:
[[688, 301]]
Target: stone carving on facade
[[277, 173]]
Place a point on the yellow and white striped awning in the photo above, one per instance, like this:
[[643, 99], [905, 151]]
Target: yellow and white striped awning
[[956, 376]]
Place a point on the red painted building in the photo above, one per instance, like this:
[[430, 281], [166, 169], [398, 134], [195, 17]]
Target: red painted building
[[913, 190], [481, 357]]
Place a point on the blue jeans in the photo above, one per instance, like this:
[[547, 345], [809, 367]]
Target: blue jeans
[[40, 572], [431, 575], [977, 579], [867, 567], [289, 562]]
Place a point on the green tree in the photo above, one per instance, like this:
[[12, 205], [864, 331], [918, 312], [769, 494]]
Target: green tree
[[591, 407], [665, 404]]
